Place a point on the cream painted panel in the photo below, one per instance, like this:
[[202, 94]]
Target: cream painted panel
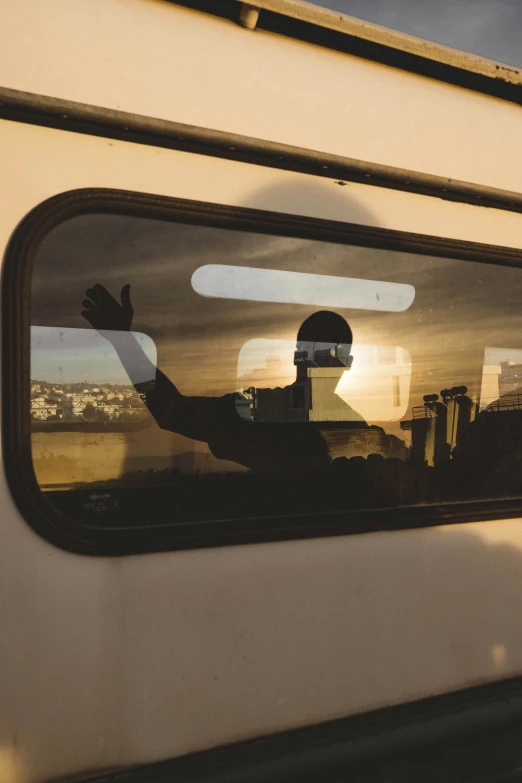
[[155, 58], [43, 162], [279, 635], [108, 662], [134, 660]]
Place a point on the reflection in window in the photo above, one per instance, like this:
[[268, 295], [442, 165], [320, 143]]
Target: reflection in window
[[375, 387], [376, 391], [501, 379], [76, 376], [287, 287]]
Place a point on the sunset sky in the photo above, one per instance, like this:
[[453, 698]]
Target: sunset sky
[[459, 309]]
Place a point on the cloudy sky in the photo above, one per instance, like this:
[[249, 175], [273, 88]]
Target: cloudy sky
[[491, 28], [455, 313]]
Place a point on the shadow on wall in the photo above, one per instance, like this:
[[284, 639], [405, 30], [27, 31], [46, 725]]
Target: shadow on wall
[[326, 199]]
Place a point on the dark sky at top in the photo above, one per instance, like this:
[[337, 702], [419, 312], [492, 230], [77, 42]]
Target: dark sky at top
[[490, 28], [454, 316]]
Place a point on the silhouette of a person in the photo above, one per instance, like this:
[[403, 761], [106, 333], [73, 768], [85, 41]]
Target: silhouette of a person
[[324, 340]]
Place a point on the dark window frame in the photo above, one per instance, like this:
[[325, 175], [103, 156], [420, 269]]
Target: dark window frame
[[71, 535]]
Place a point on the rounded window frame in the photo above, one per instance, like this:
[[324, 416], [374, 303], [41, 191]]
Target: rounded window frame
[[73, 536]]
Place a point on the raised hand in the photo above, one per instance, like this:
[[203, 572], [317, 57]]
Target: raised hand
[[104, 312]]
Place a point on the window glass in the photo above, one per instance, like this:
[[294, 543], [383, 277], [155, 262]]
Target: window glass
[[246, 375], [76, 375]]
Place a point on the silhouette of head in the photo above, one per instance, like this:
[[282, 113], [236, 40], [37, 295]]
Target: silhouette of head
[[325, 327], [324, 340]]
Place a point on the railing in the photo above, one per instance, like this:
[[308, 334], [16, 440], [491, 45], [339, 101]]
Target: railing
[[422, 412], [512, 402]]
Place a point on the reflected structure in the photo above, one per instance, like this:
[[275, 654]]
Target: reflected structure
[[438, 426], [76, 376]]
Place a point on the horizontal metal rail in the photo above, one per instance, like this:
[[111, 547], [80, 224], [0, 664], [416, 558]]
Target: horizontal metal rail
[[330, 29], [110, 123]]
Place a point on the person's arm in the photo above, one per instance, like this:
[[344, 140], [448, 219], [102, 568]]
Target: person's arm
[[189, 416]]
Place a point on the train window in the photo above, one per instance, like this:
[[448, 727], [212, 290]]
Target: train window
[[189, 373]]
